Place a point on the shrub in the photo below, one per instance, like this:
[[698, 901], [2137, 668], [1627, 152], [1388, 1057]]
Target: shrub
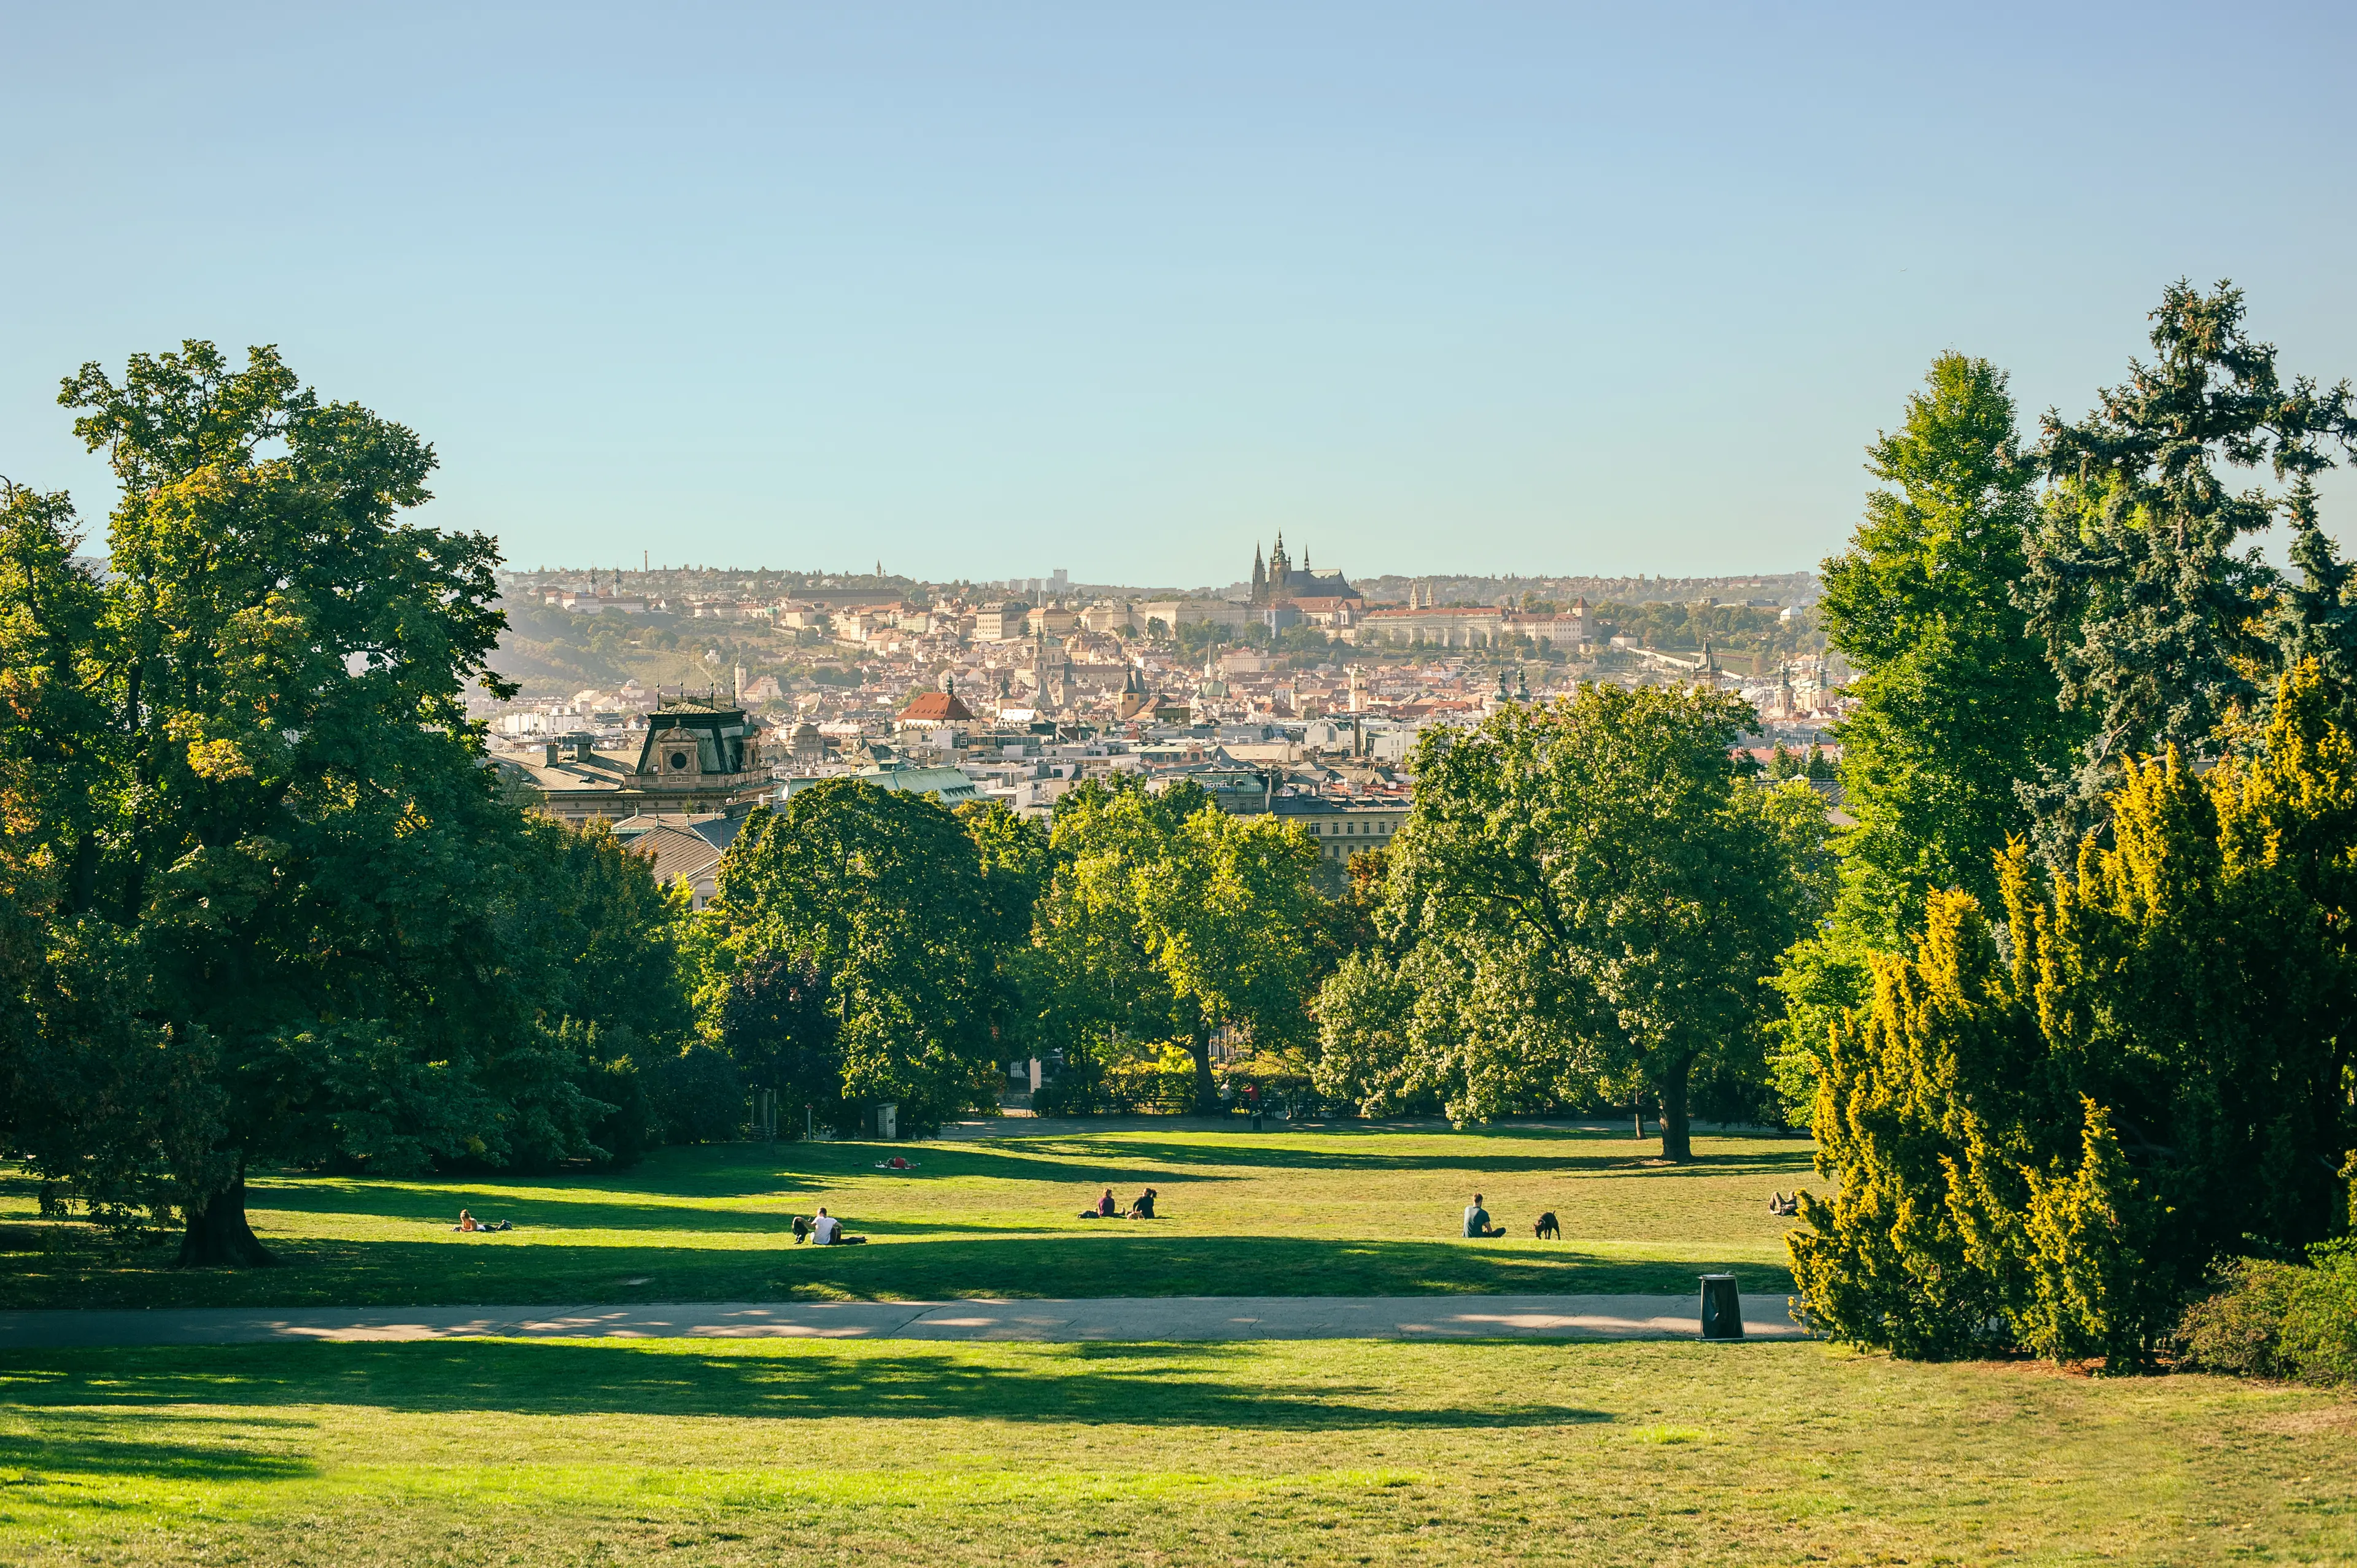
[[1078, 1090], [2045, 1141], [2271, 1319], [1088, 1087], [1165, 1083]]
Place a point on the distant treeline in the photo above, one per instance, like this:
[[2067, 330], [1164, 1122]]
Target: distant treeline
[[1727, 628]]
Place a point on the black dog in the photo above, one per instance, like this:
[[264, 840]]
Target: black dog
[[1547, 1230]]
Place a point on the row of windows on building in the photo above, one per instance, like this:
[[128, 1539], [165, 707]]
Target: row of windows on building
[[1381, 826]]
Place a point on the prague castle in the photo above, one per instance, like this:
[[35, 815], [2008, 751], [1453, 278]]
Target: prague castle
[[1278, 579]]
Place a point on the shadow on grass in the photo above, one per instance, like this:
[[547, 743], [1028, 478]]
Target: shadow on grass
[[1628, 1161], [537, 1223], [1128, 1260], [1133, 1385], [83, 1443], [668, 1201]]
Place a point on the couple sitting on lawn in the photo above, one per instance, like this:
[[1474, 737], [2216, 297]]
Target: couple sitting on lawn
[[1107, 1208], [826, 1230]]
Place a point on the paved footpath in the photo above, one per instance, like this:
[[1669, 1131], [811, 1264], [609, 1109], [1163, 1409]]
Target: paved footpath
[[1129, 1318]]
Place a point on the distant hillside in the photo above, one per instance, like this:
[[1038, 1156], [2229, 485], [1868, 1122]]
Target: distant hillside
[[555, 653]]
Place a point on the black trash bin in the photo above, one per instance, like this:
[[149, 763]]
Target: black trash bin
[[1722, 1308]]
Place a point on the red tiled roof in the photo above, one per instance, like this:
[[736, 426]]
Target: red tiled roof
[[935, 707]]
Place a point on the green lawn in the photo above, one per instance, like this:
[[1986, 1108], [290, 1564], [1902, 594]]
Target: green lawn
[[704, 1452], [1341, 1212]]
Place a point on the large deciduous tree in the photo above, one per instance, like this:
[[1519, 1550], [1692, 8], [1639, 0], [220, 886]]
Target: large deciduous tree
[[1166, 920], [1229, 913], [281, 898], [1587, 895], [871, 907]]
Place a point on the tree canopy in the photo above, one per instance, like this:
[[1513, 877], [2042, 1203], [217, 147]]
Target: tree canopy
[[1585, 900], [873, 908], [284, 908], [2164, 629], [1166, 920], [1954, 701]]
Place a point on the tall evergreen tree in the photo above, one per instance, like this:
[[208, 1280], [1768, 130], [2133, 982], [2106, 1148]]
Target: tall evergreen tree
[[1954, 700], [2157, 612]]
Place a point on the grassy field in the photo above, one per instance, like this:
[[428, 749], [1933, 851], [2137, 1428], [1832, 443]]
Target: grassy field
[[1341, 1212], [693, 1453]]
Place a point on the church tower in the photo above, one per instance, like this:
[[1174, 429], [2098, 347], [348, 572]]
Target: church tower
[[1260, 578], [1280, 570]]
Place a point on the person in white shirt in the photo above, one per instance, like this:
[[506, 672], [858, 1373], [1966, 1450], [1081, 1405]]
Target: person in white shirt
[[827, 1232]]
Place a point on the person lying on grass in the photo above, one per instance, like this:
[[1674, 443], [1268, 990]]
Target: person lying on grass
[[467, 1221], [1476, 1221], [826, 1231]]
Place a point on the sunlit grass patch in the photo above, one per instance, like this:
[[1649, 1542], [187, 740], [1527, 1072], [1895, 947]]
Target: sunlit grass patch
[[681, 1452], [1667, 1434]]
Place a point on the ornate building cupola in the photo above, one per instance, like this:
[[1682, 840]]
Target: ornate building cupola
[[677, 755]]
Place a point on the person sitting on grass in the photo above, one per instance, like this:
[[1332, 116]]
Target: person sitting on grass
[[1476, 1221], [826, 1231], [1144, 1208], [1106, 1208]]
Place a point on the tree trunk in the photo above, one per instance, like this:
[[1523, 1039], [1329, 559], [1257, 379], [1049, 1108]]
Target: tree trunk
[[82, 884], [1677, 1139], [218, 1235], [1207, 1093]]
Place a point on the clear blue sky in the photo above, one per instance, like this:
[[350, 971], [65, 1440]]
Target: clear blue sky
[[983, 290]]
